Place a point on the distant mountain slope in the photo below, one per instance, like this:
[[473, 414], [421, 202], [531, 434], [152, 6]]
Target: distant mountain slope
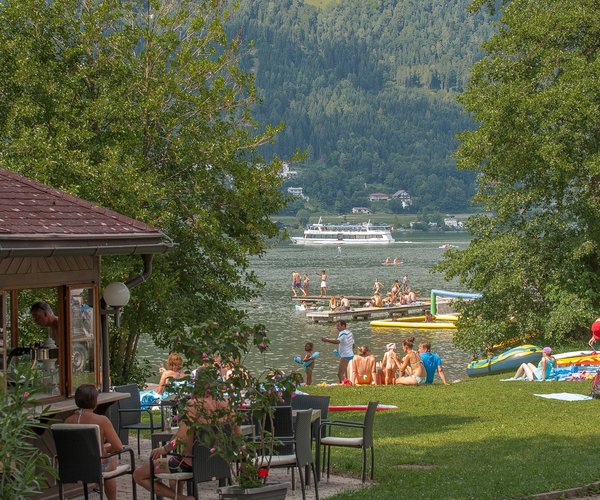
[[368, 87]]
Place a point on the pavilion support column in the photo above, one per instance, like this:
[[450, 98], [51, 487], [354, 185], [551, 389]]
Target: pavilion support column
[[104, 345]]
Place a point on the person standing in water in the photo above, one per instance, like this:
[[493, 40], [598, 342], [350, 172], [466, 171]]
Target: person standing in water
[[296, 283], [323, 276], [405, 286], [305, 284]]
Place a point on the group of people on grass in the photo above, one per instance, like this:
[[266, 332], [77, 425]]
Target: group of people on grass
[[414, 368]]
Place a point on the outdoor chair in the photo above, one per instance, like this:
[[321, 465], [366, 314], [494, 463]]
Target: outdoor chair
[[79, 454], [130, 413], [310, 402], [365, 442], [301, 453], [205, 467]]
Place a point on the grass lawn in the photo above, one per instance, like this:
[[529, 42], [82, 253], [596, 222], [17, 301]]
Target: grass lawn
[[480, 438]]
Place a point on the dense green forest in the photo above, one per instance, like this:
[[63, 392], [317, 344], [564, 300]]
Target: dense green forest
[[367, 88]]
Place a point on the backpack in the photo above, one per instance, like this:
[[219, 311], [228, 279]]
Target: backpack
[[596, 386]]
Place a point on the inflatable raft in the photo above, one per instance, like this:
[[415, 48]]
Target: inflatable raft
[[507, 361], [578, 358], [442, 322]]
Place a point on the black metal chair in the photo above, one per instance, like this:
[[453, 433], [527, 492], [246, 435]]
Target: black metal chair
[[301, 453], [205, 467], [79, 454], [310, 402], [365, 442], [130, 413]]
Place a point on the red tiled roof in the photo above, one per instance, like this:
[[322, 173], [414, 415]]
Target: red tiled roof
[[31, 211]]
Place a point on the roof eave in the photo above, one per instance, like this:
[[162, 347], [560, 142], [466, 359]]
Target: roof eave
[[44, 247]]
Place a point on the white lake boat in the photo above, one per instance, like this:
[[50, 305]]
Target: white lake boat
[[345, 234]]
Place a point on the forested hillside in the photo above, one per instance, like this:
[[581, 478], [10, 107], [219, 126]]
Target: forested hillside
[[367, 87]]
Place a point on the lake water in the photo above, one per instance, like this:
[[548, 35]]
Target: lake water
[[353, 273]]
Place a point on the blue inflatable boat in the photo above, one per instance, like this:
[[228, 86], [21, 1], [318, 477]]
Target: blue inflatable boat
[[507, 361]]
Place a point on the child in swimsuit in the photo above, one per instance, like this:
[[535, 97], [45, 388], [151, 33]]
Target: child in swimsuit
[[389, 364], [308, 357]]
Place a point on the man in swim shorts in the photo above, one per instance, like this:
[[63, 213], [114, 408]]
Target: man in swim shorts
[[296, 283], [345, 341]]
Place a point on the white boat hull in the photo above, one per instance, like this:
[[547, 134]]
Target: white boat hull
[[300, 240], [344, 234]]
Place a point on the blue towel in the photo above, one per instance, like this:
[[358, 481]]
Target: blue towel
[[148, 399]]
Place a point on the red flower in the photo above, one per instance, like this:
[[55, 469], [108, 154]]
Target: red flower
[[263, 472]]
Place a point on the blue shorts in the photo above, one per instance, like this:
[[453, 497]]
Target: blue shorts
[[348, 358]]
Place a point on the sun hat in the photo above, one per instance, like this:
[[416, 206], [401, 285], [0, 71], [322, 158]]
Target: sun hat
[[391, 345], [547, 350]]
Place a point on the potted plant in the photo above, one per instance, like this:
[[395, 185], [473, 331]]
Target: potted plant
[[221, 378]]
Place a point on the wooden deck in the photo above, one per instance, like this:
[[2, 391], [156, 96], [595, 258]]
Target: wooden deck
[[367, 313], [313, 299]]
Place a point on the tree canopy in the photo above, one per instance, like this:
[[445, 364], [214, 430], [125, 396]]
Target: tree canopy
[[142, 107], [368, 89], [536, 98]]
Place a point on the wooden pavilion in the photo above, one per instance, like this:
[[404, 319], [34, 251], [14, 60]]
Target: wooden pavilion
[[51, 245]]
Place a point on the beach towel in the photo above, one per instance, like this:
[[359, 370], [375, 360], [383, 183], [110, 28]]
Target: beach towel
[[565, 396], [150, 399]]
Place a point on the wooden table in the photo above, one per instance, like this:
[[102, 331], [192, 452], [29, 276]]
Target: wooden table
[[105, 399]]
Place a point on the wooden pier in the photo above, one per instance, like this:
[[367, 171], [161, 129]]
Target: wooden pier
[[367, 313], [313, 299]]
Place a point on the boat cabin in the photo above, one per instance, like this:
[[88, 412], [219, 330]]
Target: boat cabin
[[51, 311]]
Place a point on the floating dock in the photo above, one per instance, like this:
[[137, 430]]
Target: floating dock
[[366, 313], [313, 299]]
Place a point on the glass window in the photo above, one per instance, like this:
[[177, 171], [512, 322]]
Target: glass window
[[39, 332], [82, 336]]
